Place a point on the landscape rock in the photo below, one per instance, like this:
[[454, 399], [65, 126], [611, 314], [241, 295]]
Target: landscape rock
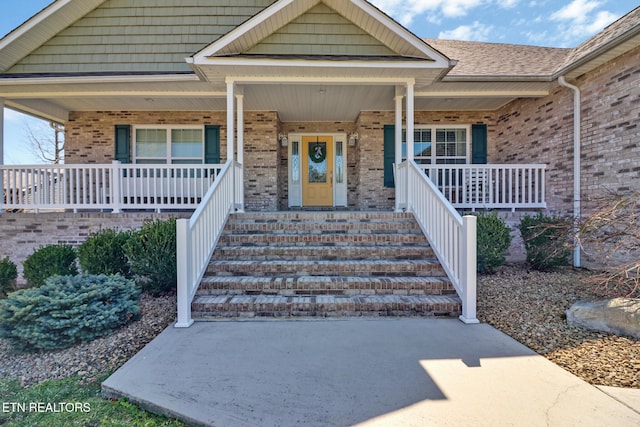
[[620, 316]]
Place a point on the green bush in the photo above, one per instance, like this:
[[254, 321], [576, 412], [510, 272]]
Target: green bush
[[546, 241], [8, 275], [103, 253], [494, 238], [152, 256], [67, 310], [47, 261]]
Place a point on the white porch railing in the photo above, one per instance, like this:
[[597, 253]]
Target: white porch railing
[[115, 186], [452, 237], [490, 186], [198, 236]]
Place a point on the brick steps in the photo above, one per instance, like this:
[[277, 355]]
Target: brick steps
[[249, 306], [322, 252], [318, 285], [324, 264]]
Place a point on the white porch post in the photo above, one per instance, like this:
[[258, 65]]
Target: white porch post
[[410, 122], [230, 138], [2, 153], [398, 138], [240, 125]]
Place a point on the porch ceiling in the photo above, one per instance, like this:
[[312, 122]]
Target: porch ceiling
[[301, 101]]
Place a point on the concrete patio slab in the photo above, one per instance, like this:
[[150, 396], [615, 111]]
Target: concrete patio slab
[[367, 372]]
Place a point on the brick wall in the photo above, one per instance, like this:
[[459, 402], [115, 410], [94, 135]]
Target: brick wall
[[261, 165], [24, 232]]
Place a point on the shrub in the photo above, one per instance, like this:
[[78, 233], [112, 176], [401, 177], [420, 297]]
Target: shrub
[[67, 310], [152, 256], [103, 253], [546, 241], [8, 275], [47, 261], [494, 238]]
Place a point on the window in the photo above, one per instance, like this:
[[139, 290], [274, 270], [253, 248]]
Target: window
[[169, 145], [451, 144]]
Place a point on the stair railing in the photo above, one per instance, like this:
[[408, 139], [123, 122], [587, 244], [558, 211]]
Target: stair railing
[[452, 237], [198, 236]]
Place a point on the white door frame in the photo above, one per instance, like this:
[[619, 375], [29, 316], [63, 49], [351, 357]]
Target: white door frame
[[295, 182]]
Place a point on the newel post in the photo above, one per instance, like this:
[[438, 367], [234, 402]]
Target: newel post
[[116, 186], [183, 255], [468, 275]]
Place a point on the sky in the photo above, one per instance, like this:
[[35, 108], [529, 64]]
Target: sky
[[553, 23]]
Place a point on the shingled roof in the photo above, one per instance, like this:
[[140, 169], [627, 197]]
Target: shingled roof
[[476, 59]]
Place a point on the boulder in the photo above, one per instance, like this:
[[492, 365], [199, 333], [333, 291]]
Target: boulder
[[620, 316]]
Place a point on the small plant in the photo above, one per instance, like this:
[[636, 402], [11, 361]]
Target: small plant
[[47, 261], [103, 253], [493, 238], [8, 275], [152, 256], [546, 241], [67, 310]]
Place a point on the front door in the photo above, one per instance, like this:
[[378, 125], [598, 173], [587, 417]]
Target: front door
[[317, 170]]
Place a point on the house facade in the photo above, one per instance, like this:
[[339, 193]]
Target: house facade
[[314, 104]]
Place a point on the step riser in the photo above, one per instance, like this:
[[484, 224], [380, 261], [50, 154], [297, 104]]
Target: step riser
[[312, 228], [297, 269], [260, 217], [229, 289], [320, 306], [321, 239], [306, 253]]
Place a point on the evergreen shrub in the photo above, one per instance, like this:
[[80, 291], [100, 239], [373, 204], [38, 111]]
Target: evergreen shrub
[[546, 240], [103, 253], [67, 310], [48, 261], [152, 256], [8, 275], [494, 239]]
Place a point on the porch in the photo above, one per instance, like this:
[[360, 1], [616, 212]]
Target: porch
[[116, 187]]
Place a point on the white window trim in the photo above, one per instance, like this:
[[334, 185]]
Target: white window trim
[[433, 128], [168, 158]]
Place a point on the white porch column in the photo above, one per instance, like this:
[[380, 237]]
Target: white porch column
[[2, 153], [240, 126], [410, 122], [398, 138], [230, 121]]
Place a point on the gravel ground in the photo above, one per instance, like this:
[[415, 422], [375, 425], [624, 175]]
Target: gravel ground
[[92, 359], [527, 305], [530, 307]]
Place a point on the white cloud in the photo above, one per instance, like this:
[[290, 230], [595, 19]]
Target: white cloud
[[579, 20], [577, 10], [474, 32], [406, 10]]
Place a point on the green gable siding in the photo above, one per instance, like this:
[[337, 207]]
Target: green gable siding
[[139, 36], [321, 31]]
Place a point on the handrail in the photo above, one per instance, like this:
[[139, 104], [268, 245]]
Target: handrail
[[106, 186], [489, 186], [452, 237], [198, 236]]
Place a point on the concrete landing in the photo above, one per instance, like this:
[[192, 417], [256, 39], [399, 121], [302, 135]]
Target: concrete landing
[[368, 372]]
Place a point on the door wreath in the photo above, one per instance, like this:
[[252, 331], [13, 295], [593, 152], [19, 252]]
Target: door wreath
[[318, 152]]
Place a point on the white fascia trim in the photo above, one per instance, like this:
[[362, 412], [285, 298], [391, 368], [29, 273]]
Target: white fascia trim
[[484, 94], [32, 22], [114, 94], [100, 79], [320, 64], [239, 31], [319, 80], [441, 60]]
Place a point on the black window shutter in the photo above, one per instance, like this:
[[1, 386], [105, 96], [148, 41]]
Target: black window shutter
[[123, 143], [479, 144], [389, 155], [212, 144]]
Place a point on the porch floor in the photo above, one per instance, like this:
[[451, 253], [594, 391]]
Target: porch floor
[[409, 372]]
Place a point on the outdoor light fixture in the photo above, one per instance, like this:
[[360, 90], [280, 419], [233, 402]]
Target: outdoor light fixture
[[353, 137], [283, 139]]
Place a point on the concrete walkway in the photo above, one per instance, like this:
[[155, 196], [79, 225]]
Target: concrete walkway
[[368, 372]]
